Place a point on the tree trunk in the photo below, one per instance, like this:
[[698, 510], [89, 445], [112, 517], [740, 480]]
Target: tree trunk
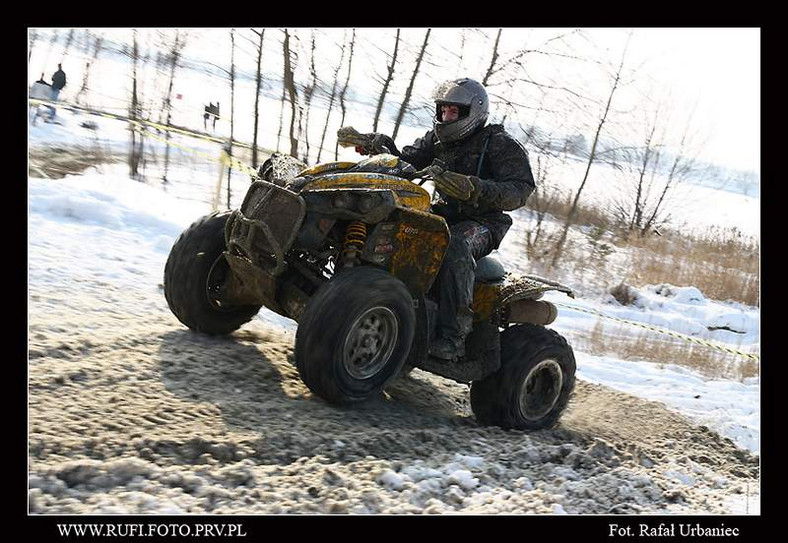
[[97, 44], [573, 209], [344, 89], [331, 100], [409, 91], [463, 39], [386, 83], [232, 117], [309, 92], [52, 42], [33, 37], [174, 55], [135, 153], [69, 41], [291, 90], [681, 166], [636, 218], [258, 81], [493, 60], [282, 104]]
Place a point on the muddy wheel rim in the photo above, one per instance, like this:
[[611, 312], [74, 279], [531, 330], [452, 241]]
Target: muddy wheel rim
[[217, 275], [541, 389], [370, 342]]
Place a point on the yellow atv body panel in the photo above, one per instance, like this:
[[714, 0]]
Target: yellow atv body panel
[[408, 194]]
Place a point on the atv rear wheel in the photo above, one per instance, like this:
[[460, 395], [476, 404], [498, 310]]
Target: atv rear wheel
[[194, 274], [532, 387], [354, 335]]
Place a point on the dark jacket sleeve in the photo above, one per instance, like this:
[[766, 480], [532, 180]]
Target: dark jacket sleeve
[[512, 181], [421, 153]]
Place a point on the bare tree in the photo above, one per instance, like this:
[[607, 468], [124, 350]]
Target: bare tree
[[282, 106], [174, 57], [232, 117], [52, 42], [258, 81], [136, 149], [592, 155], [69, 41], [344, 90], [543, 200], [649, 162], [645, 210], [463, 40], [493, 60], [403, 107], [33, 35], [682, 166], [309, 92], [97, 45], [386, 82], [289, 83], [331, 99]]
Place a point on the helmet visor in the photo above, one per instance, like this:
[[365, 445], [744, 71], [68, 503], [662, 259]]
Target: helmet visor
[[462, 111]]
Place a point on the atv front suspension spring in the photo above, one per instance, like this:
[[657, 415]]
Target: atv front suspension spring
[[355, 239]]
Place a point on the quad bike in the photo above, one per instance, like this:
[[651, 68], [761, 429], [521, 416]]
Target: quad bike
[[350, 251]]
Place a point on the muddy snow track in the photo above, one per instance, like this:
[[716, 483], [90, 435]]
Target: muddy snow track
[[129, 412]]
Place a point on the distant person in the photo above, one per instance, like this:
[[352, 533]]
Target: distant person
[[215, 115], [207, 115], [58, 82]]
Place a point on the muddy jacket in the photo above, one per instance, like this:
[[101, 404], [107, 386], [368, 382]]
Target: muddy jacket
[[490, 154]]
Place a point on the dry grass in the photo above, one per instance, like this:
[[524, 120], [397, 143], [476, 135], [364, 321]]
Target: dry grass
[[661, 349], [554, 202], [723, 263], [58, 162]]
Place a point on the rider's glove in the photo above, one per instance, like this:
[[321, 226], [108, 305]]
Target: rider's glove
[[366, 144], [381, 143], [465, 188]]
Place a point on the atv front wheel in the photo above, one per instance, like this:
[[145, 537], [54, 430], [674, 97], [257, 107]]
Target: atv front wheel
[[354, 335], [532, 387], [194, 274]]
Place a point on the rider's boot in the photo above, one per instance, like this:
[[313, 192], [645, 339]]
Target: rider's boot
[[450, 344], [448, 348]]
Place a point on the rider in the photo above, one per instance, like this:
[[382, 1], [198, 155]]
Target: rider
[[480, 171]]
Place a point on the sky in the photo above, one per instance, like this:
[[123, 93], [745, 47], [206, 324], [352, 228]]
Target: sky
[[712, 74], [133, 225], [720, 70]]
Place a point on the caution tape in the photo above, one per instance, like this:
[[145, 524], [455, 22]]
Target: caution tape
[[225, 159], [663, 331]]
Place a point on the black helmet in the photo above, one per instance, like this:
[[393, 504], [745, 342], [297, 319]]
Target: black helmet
[[473, 103]]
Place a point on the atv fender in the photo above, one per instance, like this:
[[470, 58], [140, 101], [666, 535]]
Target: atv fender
[[519, 300]]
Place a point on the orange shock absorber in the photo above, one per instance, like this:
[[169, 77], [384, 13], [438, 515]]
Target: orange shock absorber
[[355, 239]]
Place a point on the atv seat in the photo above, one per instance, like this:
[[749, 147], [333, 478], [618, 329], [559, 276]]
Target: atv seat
[[489, 269]]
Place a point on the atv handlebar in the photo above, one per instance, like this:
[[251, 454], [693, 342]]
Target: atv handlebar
[[425, 175]]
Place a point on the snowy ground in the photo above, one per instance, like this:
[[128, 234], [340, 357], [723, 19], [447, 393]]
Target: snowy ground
[[101, 228]]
